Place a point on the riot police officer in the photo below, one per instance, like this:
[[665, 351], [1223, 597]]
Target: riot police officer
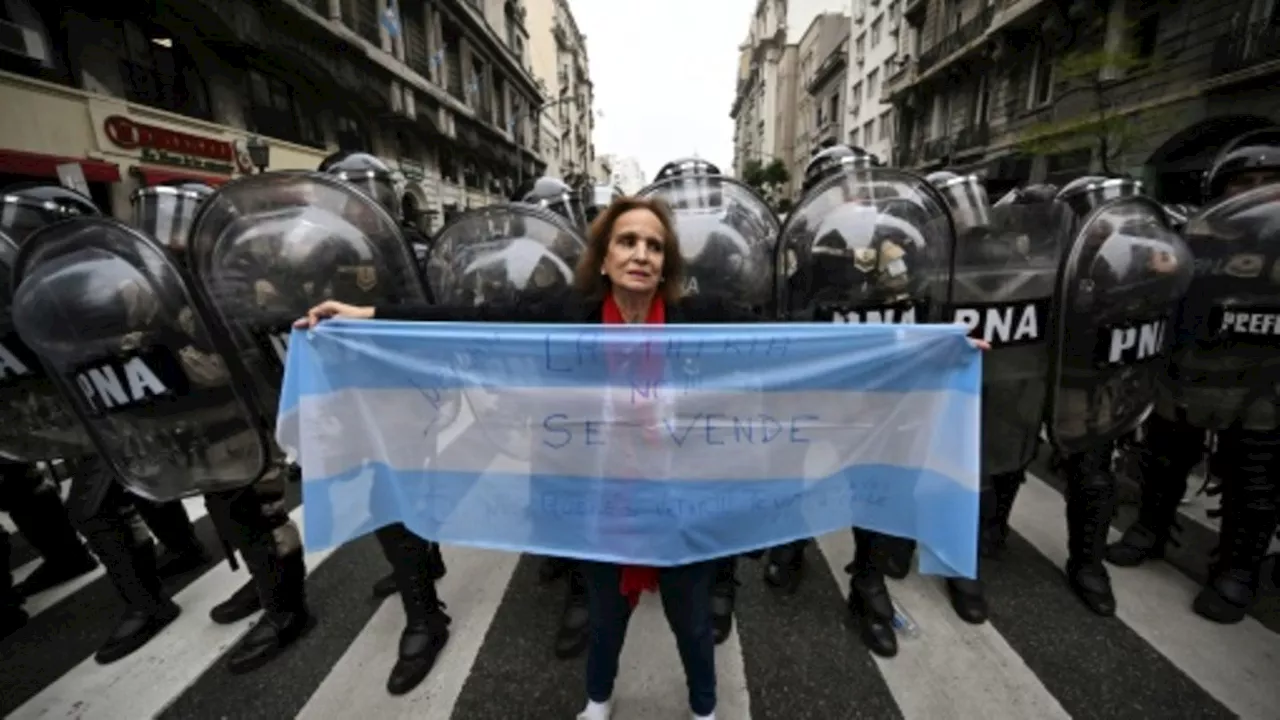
[[832, 161], [1222, 379], [864, 245], [554, 195], [165, 212], [1122, 277], [299, 237], [728, 236]]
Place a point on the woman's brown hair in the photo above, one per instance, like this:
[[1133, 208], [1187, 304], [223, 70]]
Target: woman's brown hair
[[593, 285]]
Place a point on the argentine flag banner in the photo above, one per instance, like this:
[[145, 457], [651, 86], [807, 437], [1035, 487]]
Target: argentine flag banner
[[643, 445]]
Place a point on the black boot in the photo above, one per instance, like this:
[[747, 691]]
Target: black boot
[[869, 601], [426, 625], [282, 590], [573, 632], [386, 586], [171, 526], [1090, 502], [1169, 453], [784, 566], [132, 571], [995, 527], [552, 569], [243, 603], [42, 519], [968, 598], [12, 616], [895, 556], [1248, 461], [724, 593]]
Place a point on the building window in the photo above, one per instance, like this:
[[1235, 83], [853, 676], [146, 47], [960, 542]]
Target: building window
[[448, 166], [886, 124], [480, 90], [856, 97], [869, 130], [157, 72], [834, 110], [23, 33], [453, 60], [873, 86], [275, 112], [1040, 87], [876, 26], [1144, 35], [860, 45], [853, 137], [352, 135], [981, 101]]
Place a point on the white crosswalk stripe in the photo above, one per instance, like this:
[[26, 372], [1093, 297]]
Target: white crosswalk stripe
[[1018, 665]]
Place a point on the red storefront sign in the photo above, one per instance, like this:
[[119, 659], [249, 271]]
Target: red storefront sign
[[169, 147]]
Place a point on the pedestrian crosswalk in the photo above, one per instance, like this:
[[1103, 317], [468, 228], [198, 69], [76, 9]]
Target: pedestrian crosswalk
[[1042, 655]]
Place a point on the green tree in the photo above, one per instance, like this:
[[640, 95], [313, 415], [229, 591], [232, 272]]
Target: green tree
[[1103, 123], [768, 180]]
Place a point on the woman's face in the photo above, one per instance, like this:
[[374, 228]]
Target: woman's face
[[633, 260]]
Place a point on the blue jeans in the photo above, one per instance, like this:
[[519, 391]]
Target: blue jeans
[[686, 600]]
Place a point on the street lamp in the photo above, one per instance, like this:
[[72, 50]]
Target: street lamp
[[259, 153]]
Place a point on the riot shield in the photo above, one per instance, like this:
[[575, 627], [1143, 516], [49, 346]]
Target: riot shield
[[1225, 364], [1003, 290], [1118, 287], [166, 212], [266, 248], [39, 424], [153, 381], [503, 255], [727, 236], [866, 246]]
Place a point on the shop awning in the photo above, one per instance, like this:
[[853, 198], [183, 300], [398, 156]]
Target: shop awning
[[17, 162], [157, 175]]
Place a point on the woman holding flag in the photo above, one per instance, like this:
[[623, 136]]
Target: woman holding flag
[[631, 273]]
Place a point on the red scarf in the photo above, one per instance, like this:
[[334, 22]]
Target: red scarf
[[636, 580]]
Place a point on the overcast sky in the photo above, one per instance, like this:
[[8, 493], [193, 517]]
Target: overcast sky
[[664, 72]]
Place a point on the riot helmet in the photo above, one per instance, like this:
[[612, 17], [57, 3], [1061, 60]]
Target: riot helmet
[[554, 195], [602, 196], [1031, 194], [27, 207], [370, 175], [683, 167], [833, 160], [1086, 194], [966, 198], [1250, 160], [166, 211]]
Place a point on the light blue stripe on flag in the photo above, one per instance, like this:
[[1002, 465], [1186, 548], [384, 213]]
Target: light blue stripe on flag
[[645, 445]]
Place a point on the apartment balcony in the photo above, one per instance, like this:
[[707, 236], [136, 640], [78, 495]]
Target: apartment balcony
[[953, 43], [365, 23], [1257, 44], [319, 7], [564, 40], [833, 63], [914, 11], [902, 78], [974, 137]]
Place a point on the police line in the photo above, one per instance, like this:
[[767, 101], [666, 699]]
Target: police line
[[717, 453]]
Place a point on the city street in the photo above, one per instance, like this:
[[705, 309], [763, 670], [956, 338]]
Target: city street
[[1042, 655]]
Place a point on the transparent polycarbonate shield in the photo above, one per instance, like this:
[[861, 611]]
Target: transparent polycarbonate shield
[[163, 398], [266, 248], [1119, 287], [503, 255], [1225, 365], [866, 246], [1003, 288], [38, 424], [166, 212], [727, 236]]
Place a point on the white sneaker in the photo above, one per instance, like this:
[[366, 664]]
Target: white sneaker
[[597, 711]]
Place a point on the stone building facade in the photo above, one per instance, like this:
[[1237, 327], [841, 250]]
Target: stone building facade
[[441, 90], [1028, 90]]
